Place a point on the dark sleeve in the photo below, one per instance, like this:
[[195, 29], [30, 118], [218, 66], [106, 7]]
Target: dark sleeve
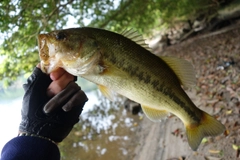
[[28, 147]]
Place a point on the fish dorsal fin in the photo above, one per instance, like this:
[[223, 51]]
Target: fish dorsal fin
[[136, 37], [183, 69], [108, 93], [154, 115]]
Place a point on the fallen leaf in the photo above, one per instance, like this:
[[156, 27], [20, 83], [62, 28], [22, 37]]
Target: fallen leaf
[[204, 140], [228, 111], [214, 151], [211, 158], [135, 124], [235, 147], [226, 133]]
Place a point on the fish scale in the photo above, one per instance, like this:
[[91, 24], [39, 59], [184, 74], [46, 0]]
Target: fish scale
[[144, 76], [121, 63]]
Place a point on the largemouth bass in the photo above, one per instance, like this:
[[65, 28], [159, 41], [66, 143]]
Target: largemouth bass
[[121, 63]]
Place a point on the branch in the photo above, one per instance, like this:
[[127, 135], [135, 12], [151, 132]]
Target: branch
[[58, 8], [115, 14]]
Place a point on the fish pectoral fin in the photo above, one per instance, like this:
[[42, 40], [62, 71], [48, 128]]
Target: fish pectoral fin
[[154, 115], [183, 69], [208, 126], [108, 93]]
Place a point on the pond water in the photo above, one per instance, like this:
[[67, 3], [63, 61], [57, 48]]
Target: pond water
[[10, 116], [106, 130]]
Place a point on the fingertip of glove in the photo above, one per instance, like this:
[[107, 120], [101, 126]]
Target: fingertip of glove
[[46, 110], [66, 108]]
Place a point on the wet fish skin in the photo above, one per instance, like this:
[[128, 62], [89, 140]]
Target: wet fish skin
[[119, 64]]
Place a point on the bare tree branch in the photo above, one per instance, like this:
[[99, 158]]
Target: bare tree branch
[[113, 16]]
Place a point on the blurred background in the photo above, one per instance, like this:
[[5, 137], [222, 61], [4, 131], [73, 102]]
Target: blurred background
[[205, 32]]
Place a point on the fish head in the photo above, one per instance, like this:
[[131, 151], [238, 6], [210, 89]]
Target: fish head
[[69, 49]]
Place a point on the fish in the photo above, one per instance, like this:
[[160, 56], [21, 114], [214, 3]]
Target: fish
[[124, 64]]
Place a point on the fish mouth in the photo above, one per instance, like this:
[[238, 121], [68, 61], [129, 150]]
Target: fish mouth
[[47, 52]]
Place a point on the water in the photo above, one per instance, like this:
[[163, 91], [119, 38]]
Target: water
[[105, 131], [9, 119]]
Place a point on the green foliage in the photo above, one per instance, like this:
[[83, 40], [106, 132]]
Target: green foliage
[[22, 20], [13, 91]]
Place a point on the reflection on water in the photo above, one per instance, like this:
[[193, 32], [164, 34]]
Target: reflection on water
[[105, 131]]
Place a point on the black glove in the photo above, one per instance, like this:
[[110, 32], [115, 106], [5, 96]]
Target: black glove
[[52, 118]]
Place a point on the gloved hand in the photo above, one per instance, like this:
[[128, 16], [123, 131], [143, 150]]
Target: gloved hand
[[52, 118]]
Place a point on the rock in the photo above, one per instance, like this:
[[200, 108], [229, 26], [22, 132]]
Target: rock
[[132, 106]]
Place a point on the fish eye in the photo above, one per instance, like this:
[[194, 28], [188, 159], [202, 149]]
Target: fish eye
[[60, 36]]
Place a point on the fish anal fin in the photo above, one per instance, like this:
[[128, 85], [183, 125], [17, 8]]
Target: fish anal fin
[[208, 126], [108, 93], [154, 115], [183, 69]]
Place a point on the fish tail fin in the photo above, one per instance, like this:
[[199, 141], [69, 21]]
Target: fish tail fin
[[208, 126]]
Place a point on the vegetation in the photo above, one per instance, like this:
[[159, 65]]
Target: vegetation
[[22, 20]]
